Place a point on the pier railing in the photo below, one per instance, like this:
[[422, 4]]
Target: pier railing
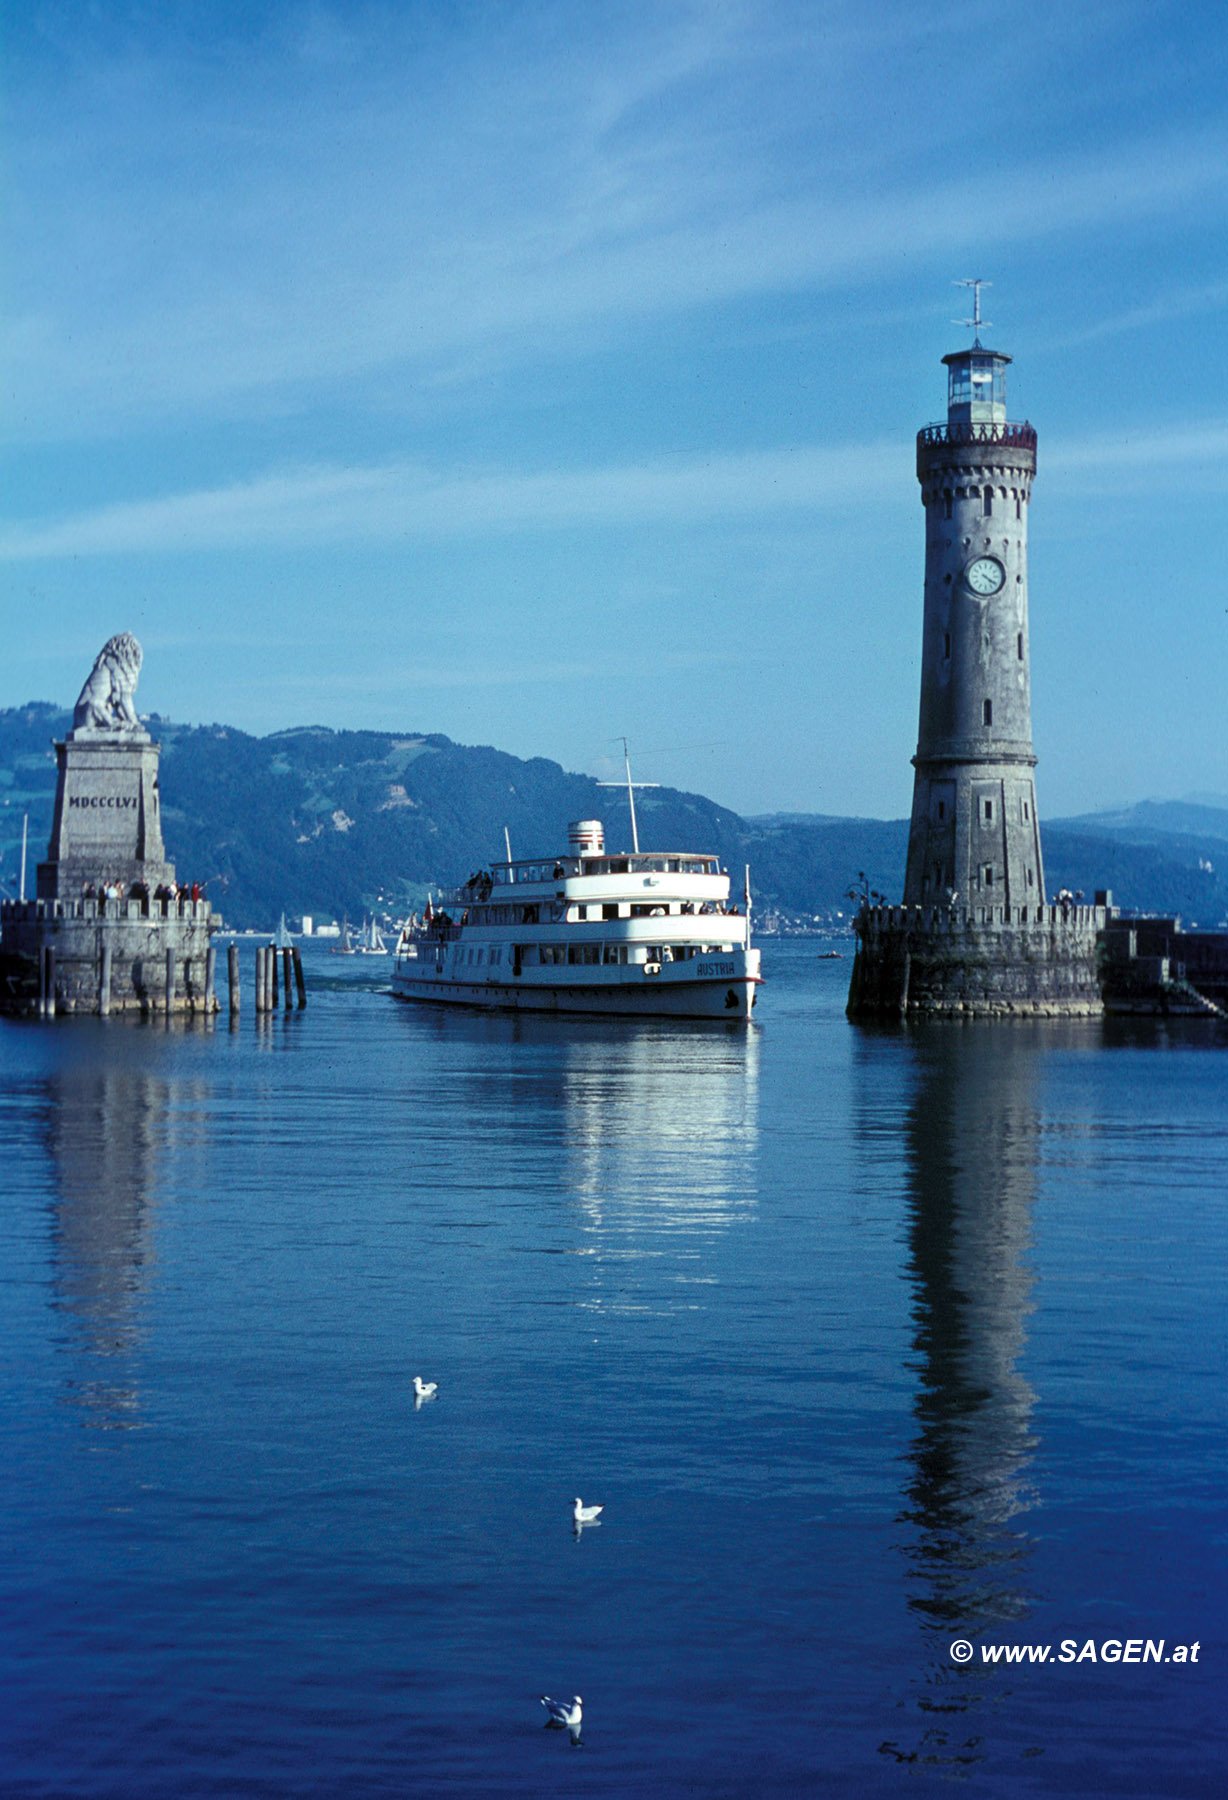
[[939, 919], [99, 907]]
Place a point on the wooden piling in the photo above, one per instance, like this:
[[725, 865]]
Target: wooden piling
[[300, 983], [210, 979], [287, 968], [232, 971], [170, 983], [104, 982], [273, 994], [259, 978]]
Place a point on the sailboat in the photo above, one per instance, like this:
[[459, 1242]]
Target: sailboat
[[346, 946], [371, 942]]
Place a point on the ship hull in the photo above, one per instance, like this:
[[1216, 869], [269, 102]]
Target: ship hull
[[730, 997]]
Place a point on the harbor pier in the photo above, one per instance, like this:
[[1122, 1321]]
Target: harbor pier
[[110, 929]]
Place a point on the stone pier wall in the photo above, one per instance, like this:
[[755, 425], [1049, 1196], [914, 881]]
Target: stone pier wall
[[1035, 961], [138, 935]]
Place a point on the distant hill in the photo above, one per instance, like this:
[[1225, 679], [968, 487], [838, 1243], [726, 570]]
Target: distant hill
[[1150, 821], [333, 822]]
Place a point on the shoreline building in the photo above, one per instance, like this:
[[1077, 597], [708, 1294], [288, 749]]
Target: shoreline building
[[109, 930], [974, 934]]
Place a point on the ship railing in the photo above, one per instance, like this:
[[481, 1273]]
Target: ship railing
[[429, 935]]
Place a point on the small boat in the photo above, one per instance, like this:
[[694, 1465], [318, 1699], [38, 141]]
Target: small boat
[[831, 955], [346, 946], [371, 940]]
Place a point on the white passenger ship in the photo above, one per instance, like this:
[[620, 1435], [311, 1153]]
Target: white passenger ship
[[589, 932]]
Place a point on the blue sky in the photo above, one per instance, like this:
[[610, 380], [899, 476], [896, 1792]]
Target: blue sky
[[539, 373]]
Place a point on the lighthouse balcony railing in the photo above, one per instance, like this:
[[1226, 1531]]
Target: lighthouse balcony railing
[[1016, 436]]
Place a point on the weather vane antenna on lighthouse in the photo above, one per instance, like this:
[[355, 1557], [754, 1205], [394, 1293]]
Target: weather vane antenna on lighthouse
[[976, 323]]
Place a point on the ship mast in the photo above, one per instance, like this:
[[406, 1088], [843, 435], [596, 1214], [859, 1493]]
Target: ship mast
[[631, 787]]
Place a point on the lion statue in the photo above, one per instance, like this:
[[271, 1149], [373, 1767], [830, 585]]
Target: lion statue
[[105, 703]]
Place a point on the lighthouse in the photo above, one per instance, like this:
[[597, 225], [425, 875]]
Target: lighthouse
[[974, 933], [974, 834]]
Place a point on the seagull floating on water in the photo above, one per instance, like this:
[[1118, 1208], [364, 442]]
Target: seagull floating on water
[[425, 1390], [585, 1515], [564, 1712]]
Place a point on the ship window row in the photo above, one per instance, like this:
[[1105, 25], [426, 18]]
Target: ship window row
[[589, 955], [607, 865], [537, 913], [586, 955]]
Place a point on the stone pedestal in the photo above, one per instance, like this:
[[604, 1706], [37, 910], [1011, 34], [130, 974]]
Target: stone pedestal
[[107, 827]]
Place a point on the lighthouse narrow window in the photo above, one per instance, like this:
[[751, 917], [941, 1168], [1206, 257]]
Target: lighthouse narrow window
[[988, 811], [987, 503], [987, 712], [1019, 645], [946, 503]]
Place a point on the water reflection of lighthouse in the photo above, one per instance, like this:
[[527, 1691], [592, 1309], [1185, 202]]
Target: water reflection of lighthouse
[[971, 1146]]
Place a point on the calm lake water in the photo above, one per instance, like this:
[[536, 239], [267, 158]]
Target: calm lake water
[[867, 1341]]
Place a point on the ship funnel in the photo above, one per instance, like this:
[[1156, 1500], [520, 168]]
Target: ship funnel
[[586, 837]]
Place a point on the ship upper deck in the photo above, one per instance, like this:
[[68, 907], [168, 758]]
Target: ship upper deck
[[661, 877], [550, 870]]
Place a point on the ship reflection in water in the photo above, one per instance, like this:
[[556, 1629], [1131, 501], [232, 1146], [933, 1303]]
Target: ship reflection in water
[[971, 1142], [660, 1157], [653, 1129]]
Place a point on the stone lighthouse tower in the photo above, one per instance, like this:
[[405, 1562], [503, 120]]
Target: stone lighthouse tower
[[974, 834], [974, 934]]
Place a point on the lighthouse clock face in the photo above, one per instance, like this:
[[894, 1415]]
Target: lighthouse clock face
[[985, 575]]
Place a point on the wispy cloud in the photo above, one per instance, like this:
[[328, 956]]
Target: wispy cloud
[[396, 503], [512, 672], [1194, 452], [1166, 310], [400, 503], [523, 197]]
